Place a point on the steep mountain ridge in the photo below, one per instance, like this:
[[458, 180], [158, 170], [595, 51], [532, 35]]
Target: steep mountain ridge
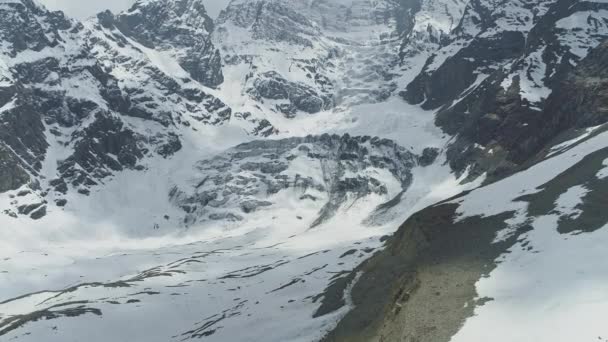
[[469, 267], [177, 25], [478, 268], [267, 154], [79, 99], [493, 81], [265, 217]]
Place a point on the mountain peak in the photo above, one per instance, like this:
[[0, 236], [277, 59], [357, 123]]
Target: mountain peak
[[180, 27], [25, 24], [191, 13], [155, 23]]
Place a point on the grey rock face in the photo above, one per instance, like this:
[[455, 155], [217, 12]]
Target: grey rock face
[[22, 129], [298, 96], [264, 129], [428, 157], [104, 147], [459, 72], [507, 77], [39, 213], [73, 98], [12, 175], [336, 46], [152, 92], [253, 205], [225, 217], [587, 85], [35, 211], [271, 20], [120, 61], [181, 24], [245, 178], [306, 86], [25, 26]]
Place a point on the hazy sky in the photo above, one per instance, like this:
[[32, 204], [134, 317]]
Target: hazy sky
[[86, 8]]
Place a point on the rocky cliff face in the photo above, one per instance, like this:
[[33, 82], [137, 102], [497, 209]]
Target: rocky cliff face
[[585, 89], [494, 83], [307, 57], [267, 153], [339, 171], [495, 73], [25, 26], [445, 275], [522, 93], [182, 28], [69, 90]]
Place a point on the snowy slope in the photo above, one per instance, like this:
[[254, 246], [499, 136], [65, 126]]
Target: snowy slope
[[183, 178], [511, 260], [176, 237], [554, 275]]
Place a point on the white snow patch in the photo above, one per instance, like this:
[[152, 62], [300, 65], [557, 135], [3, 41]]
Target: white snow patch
[[603, 173], [567, 144], [547, 279], [483, 201], [568, 202], [583, 31], [561, 283]]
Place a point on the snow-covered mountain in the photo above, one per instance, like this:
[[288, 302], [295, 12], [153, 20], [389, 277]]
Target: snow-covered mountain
[[165, 175]]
